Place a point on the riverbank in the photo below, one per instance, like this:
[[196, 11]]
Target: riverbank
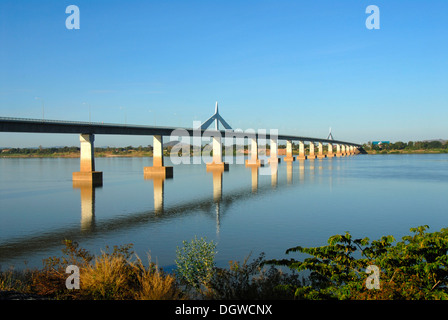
[[138, 154], [437, 151]]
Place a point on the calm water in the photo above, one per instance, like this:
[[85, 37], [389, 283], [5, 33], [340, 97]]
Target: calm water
[[243, 210]]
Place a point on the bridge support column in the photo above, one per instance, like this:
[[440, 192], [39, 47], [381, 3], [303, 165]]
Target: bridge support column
[[343, 152], [289, 157], [158, 169], [338, 150], [217, 163], [352, 150], [302, 155], [320, 153], [273, 152], [254, 161], [87, 173], [330, 153], [311, 155]]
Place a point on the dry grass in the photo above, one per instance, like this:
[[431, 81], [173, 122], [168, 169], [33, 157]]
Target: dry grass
[[117, 275]]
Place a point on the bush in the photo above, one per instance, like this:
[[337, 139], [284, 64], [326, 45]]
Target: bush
[[415, 268], [195, 263], [251, 281]]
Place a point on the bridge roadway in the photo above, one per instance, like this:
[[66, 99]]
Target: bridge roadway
[[75, 127], [87, 130]]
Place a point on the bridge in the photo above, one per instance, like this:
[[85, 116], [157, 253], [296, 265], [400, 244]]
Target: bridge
[[88, 130]]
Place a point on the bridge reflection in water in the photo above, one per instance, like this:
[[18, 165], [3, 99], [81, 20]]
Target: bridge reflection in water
[[216, 202]]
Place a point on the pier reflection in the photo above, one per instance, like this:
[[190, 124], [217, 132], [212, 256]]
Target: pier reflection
[[254, 179], [274, 174], [289, 173], [217, 195], [159, 191], [87, 191], [217, 202]]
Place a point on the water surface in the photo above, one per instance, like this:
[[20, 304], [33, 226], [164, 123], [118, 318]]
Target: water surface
[[243, 210]]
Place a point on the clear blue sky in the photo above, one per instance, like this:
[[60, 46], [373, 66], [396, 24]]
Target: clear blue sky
[[297, 66]]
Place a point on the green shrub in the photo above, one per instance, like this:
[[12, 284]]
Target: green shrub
[[414, 268], [195, 263]]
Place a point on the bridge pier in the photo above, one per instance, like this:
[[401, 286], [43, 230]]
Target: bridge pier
[[311, 155], [158, 169], [320, 154], [338, 150], [330, 153], [273, 152], [87, 173], [217, 163], [302, 155], [254, 161], [289, 157]]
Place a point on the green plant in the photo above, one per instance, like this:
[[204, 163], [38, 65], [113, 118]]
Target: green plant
[[415, 268], [251, 280], [195, 263]]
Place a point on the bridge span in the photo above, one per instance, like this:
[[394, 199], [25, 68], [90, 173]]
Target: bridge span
[[88, 130]]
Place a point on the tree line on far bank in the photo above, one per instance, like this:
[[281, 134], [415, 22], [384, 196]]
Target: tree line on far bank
[[409, 146], [441, 145]]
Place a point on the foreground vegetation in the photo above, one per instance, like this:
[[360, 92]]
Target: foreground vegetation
[[415, 268]]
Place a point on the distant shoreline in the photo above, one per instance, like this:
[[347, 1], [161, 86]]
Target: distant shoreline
[[140, 154]]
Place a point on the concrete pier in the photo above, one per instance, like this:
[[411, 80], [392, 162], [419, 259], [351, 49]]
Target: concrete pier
[[311, 155], [343, 152], [217, 163], [274, 152], [87, 171], [254, 161], [289, 157], [320, 152], [338, 150], [302, 155], [330, 153], [158, 169]]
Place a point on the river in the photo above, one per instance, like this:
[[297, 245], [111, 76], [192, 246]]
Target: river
[[244, 211]]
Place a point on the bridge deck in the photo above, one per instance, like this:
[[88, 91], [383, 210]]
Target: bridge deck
[[76, 127]]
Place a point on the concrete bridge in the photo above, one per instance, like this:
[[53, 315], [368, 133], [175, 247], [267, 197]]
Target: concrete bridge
[[88, 130]]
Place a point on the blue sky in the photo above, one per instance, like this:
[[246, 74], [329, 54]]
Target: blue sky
[[296, 66]]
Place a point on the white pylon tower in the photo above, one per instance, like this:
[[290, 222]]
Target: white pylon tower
[[216, 117], [330, 136]]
